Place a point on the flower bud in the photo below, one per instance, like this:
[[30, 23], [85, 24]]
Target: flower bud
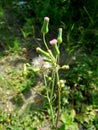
[[45, 29], [61, 83], [55, 47], [49, 78], [53, 42], [65, 67], [59, 39], [42, 52]]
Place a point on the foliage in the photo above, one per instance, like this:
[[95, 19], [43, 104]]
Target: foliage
[[83, 77], [83, 81], [68, 119], [20, 121], [71, 93], [80, 14]]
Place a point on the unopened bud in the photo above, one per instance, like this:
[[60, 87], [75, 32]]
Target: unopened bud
[[42, 52], [45, 29], [61, 83], [49, 78], [59, 39], [65, 67]]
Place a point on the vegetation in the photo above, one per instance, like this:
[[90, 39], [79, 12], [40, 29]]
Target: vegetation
[[49, 84]]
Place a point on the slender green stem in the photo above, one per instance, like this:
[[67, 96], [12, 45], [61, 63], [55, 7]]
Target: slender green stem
[[52, 86], [58, 57], [59, 106], [50, 103], [59, 99], [51, 109], [45, 42]]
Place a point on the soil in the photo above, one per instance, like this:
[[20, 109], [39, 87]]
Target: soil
[[8, 64]]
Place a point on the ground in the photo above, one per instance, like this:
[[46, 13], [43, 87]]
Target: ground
[[12, 81]]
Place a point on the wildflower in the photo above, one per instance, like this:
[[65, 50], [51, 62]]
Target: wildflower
[[53, 42], [55, 47], [59, 39], [45, 29]]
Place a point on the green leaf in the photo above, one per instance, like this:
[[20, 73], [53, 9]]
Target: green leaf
[[62, 127]]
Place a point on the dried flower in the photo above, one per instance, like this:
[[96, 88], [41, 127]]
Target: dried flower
[[39, 62]]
